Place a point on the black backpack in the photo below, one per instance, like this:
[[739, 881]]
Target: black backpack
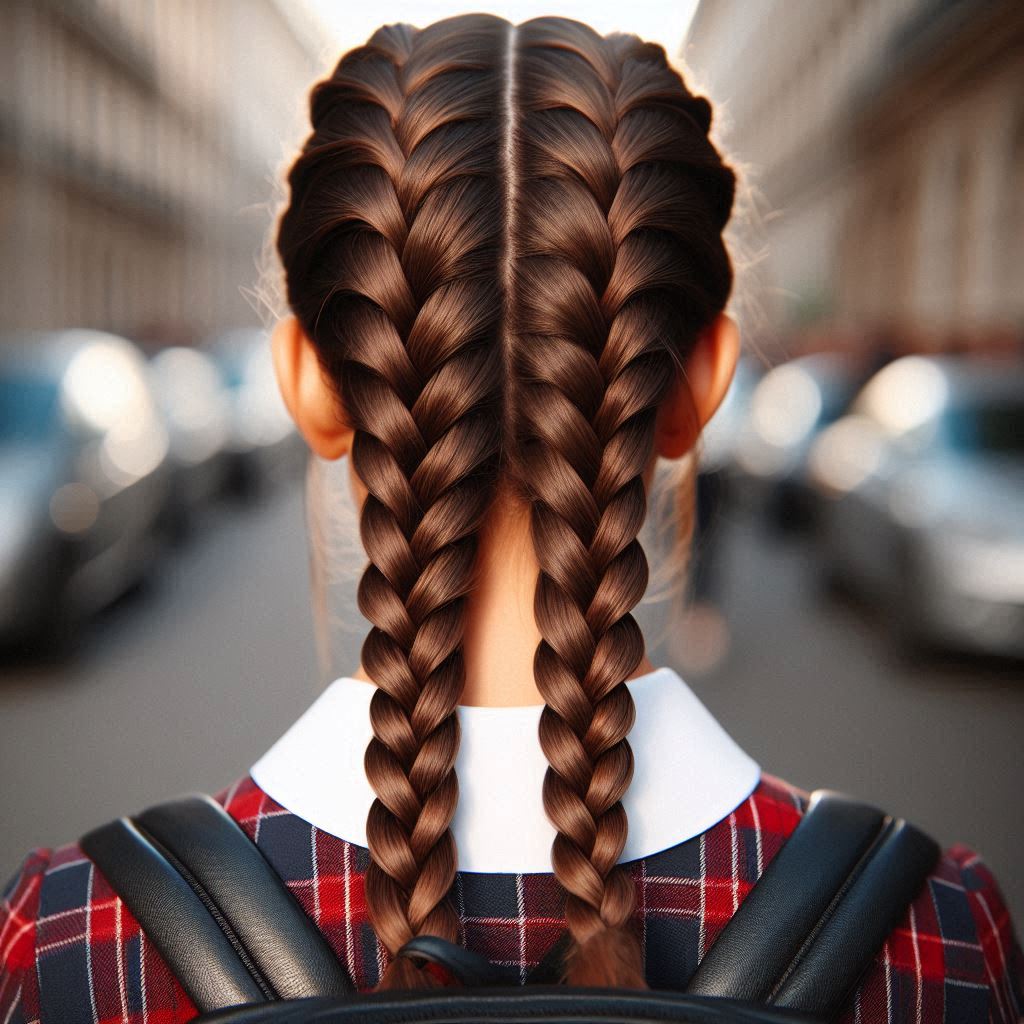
[[246, 953]]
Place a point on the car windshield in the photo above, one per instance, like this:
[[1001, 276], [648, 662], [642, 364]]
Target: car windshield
[[996, 427], [28, 408]]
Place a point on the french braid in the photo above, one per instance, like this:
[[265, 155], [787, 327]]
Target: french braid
[[390, 245], [621, 202], [504, 242]]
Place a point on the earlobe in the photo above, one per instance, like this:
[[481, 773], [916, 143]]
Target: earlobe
[[700, 389], [308, 395]]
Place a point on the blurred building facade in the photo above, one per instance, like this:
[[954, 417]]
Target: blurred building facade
[[886, 140], [139, 140]]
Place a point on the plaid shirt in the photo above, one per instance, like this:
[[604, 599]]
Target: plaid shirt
[[71, 952]]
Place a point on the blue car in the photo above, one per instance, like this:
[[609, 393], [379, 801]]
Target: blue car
[[83, 477]]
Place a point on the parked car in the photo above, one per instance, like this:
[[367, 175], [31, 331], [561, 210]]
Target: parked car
[[716, 479], [788, 407], [83, 476], [922, 496], [197, 412], [262, 443], [723, 434]]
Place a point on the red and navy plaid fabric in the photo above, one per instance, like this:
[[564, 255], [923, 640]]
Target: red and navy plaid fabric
[[70, 952]]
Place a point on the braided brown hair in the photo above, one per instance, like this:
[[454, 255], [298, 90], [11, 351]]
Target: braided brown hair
[[503, 242]]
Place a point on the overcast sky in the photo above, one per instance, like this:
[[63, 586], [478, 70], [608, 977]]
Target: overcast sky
[[662, 21]]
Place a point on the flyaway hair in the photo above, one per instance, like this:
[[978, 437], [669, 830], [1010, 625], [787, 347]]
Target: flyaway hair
[[503, 241]]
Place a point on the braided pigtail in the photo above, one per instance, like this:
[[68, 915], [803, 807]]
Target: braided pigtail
[[619, 207], [391, 244], [503, 243]]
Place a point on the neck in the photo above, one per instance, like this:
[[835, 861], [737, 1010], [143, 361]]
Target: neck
[[501, 634]]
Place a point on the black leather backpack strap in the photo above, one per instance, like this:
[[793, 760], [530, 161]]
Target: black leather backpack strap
[[821, 910], [469, 968], [218, 913]]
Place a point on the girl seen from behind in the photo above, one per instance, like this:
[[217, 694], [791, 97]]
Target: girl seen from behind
[[506, 276]]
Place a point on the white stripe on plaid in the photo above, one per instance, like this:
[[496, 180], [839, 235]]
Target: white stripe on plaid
[[142, 977], [703, 900], [88, 944], [316, 874], [521, 909], [16, 933], [734, 842], [350, 952], [919, 981], [888, 983], [119, 953], [9, 1016], [755, 814], [1003, 991]]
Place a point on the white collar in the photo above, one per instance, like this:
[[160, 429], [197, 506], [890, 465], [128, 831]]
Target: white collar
[[689, 774]]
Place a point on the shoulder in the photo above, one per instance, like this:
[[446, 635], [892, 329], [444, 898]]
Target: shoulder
[[774, 808], [741, 845], [325, 873], [19, 910], [689, 892], [1002, 962], [953, 957], [71, 951], [274, 829]]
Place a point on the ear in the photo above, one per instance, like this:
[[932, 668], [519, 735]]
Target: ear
[[307, 393], [700, 388]]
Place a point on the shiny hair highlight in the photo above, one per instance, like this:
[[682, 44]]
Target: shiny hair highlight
[[503, 241]]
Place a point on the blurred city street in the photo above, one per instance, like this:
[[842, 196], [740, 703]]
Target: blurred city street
[[181, 686], [854, 610], [176, 687]]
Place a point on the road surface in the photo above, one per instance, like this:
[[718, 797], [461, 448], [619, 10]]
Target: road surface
[[182, 686]]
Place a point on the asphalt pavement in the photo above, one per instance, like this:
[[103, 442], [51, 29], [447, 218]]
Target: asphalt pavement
[[181, 686]]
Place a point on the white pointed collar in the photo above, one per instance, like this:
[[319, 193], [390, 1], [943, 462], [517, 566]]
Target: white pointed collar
[[689, 774]]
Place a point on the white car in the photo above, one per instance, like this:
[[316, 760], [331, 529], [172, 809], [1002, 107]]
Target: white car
[[922, 500], [197, 413], [262, 443], [788, 407]]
